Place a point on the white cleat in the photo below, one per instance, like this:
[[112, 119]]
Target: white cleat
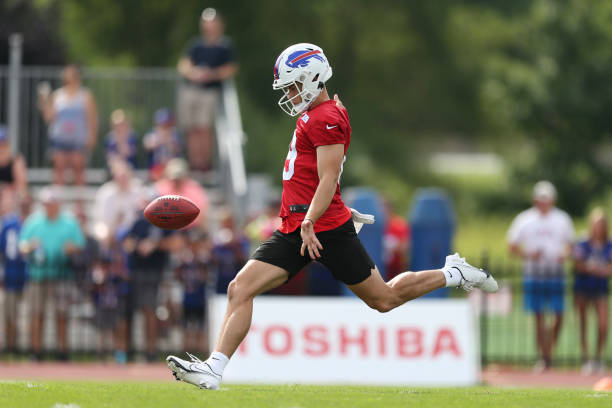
[[196, 372], [471, 277]]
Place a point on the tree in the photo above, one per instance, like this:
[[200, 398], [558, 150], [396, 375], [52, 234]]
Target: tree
[[550, 81], [39, 25]]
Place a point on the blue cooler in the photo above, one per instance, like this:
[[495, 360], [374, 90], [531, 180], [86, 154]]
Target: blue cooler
[[432, 221], [368, 201]]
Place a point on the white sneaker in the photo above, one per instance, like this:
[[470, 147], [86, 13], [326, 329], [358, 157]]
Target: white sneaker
[[471, 277], [196, 372], [588, 368]]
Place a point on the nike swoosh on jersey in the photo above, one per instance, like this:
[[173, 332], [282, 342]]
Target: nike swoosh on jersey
[[330, 127]]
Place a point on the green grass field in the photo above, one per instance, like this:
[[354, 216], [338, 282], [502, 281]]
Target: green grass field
[[44, 394]]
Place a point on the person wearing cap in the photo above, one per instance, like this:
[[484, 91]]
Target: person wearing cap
[[176, 181], [47, 239], [15, 210], [117, 202], [542, 237], [162, 143], [121, 141], [147, 248], [13, 170], [208, 60]]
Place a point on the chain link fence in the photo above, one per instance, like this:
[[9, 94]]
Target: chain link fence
[[139, 91]]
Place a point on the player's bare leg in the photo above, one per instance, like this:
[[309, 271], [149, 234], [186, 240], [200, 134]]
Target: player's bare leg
[[385, 296], [256, 277]]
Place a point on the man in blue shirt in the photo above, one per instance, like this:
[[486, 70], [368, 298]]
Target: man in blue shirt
[[14, 264], [207, 62], [147, 249]]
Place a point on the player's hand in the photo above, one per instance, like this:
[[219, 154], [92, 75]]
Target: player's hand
[[203, 75], [310, 240], [70, 248], [338, 102]]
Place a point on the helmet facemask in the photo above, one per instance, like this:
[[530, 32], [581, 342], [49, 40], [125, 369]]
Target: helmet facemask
[[307, 95]]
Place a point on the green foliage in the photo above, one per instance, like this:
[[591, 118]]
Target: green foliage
[[38, 22], [528, 79], [550, 79]]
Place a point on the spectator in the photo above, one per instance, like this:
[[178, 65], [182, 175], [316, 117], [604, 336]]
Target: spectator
[[593, 267], [230, 250], [121, 141], [395, 243], [71, 114], [263, 226], [162, 143], [109, 289], [13, 171], [87, 257], [13, 263], [117, 202], [542, 237], [178, 182], [207, 62], [192, 272], [47, 239], [146, 246]]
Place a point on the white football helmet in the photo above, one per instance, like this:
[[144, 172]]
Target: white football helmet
[[304, 63]]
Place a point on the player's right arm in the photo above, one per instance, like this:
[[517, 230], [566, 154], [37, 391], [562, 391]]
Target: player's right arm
[[329, 166]]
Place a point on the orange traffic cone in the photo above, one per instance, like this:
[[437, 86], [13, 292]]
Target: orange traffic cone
[[605, 384]]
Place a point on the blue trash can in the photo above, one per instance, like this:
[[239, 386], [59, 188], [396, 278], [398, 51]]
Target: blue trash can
[[432, 221], [368, 201]]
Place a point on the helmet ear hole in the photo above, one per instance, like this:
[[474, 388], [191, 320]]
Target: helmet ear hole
[[316, 78]]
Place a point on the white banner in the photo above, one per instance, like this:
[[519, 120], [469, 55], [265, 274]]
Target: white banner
[[321, 340]]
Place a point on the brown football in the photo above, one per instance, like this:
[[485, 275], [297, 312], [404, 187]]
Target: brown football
[[171, 212]]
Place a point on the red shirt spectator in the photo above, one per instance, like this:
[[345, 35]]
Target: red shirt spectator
[[178, 182]]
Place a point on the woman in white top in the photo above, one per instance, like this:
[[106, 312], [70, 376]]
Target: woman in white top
[[71, 114]]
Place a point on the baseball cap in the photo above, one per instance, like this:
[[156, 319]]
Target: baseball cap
[[176, 168], [118, 116], [3, 133], [163, 116], [48, 195], [544, 191], [209, 14]]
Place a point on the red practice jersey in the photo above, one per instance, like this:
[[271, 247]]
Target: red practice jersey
[[325, 124]]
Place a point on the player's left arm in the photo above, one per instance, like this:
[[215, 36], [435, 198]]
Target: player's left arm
[[329, 167]]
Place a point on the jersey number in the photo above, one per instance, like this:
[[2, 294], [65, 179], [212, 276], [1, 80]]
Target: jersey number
[[290, 161]]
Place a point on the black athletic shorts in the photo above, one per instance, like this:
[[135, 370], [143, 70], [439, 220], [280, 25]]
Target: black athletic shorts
[[342, 253]]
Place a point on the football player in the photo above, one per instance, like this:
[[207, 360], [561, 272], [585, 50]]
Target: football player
[[316, 224]]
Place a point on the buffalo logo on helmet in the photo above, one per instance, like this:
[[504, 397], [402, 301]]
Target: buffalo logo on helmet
[[299, 58]]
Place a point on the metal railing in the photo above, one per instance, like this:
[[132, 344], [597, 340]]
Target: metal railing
[[508, 330], [139, 91]]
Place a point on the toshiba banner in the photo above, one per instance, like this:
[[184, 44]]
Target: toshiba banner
[[341, 340]]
